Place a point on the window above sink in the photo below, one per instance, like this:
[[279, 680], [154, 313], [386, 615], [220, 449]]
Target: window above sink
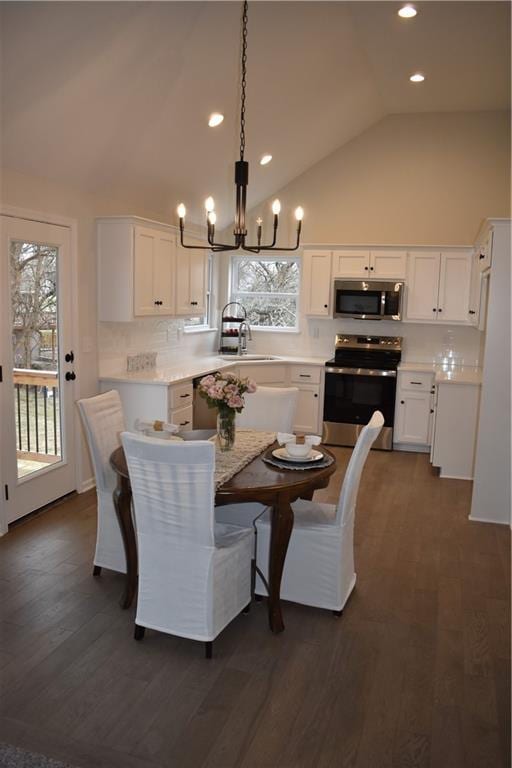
[[268, 287]]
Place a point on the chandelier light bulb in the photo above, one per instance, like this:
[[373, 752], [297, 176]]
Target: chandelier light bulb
[[276, 207], [181, 211], [259, 221], [209, 204], [265, 160], [407, 12], [212, 218], [417, 77], [215, 119], [299, 213]]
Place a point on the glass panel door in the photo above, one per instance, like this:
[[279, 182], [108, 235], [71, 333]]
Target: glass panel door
[[37, 393]]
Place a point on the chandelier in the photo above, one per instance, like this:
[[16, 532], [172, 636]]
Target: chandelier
[[241, 182]]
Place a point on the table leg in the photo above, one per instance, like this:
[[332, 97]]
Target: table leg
[[123, 503], [282, 524]]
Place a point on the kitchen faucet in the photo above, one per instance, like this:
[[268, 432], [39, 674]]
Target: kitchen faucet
[[242, 337]]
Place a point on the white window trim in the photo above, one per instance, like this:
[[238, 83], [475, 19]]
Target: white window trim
[[235, 260]]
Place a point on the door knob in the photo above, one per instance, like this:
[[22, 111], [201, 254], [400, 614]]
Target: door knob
[[70, 376], [69, 357]]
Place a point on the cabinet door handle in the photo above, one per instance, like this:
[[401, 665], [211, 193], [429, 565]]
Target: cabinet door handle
[[325, 306], [472, 312], [402, 402], [366, 268], [305, 375], [69, 357], [184, 423], [187, 395], [482, 256], [431, 410], [371, 269], [194, 303], [416, 382], [315, 395], [70, 376], [439, 310]]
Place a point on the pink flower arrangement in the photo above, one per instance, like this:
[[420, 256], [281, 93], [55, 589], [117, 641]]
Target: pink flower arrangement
[[225, 390]]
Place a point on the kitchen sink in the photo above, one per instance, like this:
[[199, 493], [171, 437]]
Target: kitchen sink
[[238, 358]]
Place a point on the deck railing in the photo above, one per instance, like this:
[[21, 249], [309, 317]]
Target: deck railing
[[37, 411]]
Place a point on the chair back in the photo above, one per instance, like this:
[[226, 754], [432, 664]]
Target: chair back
[[103, 421], [269, 408], [350, 487], [173, 492]]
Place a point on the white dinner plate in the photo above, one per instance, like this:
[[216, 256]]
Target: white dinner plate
[[283, 455]]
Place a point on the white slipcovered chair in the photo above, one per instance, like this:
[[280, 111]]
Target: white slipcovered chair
[[319, 565], [272, 409], [194, 574], [269, 408], [103, 420]]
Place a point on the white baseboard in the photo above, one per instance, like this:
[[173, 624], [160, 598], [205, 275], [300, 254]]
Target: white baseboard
[[487, 520], [411, 448], [87, 485], [455, 477]]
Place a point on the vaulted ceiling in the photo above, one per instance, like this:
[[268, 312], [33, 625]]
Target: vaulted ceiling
[[109, 96]]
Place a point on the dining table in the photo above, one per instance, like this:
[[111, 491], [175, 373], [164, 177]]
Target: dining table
[[258, 481]]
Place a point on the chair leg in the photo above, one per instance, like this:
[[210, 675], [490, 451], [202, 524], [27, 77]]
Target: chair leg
[[337, 613], [139, 632], [96, 571], [208, 650]]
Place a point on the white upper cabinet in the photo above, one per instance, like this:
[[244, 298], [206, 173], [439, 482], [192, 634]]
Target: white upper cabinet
[[454, 283], [383, 263], [438, 286], [351, 263], [474, 291], [388, 264], [191, 281], [154, 256], [422, 285], [136, 269], [316, 283]]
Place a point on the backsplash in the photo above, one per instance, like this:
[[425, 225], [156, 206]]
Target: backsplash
[[422, 343], [167, 338]]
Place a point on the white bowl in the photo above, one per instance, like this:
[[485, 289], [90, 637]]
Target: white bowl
[[298, 450]]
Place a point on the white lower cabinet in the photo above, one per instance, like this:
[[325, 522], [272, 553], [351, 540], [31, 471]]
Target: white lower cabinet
[[454, 438], [306, 415], [413, 410]]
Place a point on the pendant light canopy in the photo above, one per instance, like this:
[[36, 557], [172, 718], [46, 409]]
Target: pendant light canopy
[[241, 182]]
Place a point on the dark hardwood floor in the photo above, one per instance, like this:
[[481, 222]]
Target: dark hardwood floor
[[415, 673]]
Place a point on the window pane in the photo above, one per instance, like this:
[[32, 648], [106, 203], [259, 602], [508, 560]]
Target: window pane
[[265, 311], [266, 276]]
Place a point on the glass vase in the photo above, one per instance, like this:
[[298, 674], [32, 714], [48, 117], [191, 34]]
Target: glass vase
[[226, 429]]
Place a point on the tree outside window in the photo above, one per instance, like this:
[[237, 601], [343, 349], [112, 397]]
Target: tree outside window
[[268, 288]]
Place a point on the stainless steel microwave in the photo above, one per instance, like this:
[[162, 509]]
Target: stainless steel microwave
[[368, 299]]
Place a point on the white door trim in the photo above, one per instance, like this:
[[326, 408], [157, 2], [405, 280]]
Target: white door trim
[[72, 225]]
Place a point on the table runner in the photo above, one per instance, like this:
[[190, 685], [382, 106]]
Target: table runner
[[249, 443]]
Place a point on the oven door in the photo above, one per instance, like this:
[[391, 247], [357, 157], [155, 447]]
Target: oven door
[[351, 397]]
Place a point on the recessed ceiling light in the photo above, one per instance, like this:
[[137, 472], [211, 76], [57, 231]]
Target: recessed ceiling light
[[417, 78], [407, 12], [215, 119], [265, 160]]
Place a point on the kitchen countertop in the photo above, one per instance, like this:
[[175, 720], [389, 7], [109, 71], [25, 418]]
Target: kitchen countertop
[[444, 374], [190, 369]]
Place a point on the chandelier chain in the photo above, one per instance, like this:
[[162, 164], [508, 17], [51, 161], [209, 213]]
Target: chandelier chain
[[244, 80]]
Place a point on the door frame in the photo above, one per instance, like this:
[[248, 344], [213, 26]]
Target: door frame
[[43, 217]]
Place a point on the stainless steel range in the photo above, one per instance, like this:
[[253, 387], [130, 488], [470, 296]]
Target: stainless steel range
[[361, 379]]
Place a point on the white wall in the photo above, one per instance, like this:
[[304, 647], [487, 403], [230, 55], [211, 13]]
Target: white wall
[[427, 178]]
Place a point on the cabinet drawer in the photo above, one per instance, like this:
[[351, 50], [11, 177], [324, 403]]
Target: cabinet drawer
[[264, 374], [180, 395], [415, 382], [183, 418], [301, 374]]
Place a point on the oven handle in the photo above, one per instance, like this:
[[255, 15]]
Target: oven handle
[[361, 372]]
